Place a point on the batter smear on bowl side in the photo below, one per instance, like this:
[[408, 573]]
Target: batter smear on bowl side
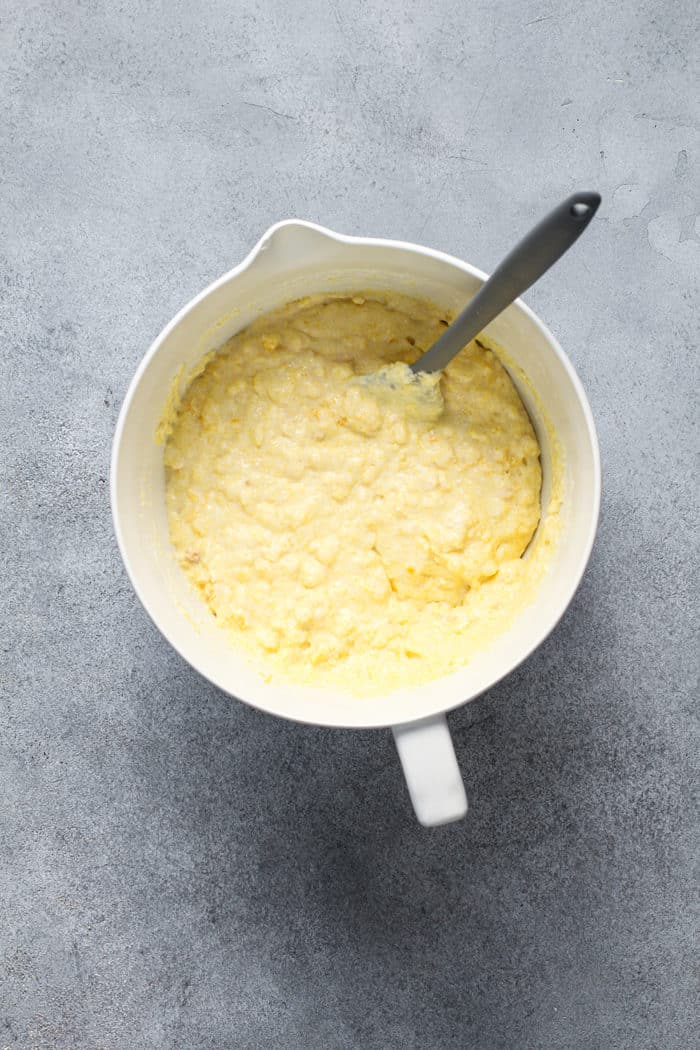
[[343, 536]]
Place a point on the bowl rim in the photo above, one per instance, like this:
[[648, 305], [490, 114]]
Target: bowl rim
[[372, 716]]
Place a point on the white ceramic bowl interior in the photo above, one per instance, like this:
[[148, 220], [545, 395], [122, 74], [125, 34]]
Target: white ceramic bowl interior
[[294, 259]]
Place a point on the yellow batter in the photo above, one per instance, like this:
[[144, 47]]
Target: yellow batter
[[362, 535]]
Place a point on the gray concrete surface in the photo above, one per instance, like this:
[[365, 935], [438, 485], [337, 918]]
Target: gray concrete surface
[[178, 870]]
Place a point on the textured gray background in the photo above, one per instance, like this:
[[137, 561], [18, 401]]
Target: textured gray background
[[178, 870]]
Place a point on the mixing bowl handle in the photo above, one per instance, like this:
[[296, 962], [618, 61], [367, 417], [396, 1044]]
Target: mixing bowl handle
[[430, 767]]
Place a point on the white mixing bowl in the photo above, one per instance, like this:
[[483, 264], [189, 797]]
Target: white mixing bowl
[[294, 259]]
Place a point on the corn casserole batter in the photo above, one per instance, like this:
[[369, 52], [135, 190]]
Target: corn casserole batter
[[346, 533]]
